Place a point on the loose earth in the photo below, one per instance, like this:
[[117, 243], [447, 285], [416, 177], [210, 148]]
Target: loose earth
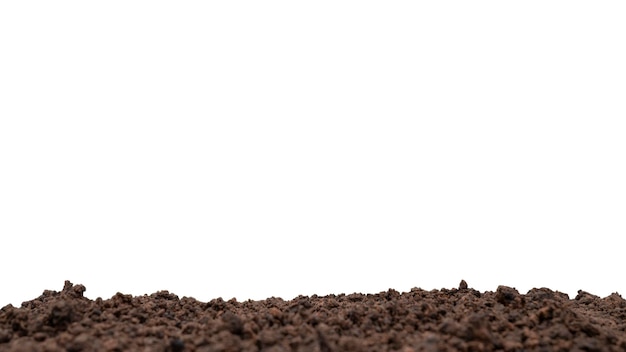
[[459, 319]]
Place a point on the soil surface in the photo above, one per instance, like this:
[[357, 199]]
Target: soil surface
[[460, 319]]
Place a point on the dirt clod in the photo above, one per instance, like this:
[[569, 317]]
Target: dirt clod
[[460, 319]]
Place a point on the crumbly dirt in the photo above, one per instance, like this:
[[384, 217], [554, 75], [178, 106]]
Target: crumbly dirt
[[460, 319]]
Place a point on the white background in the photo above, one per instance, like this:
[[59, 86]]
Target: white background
[[277, 148]]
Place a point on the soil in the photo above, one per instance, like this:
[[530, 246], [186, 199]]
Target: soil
[[459, 319]]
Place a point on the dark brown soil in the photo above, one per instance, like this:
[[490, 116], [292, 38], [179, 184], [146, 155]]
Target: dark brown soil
[[460, 319]]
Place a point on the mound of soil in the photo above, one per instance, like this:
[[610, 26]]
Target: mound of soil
[[460, 319]]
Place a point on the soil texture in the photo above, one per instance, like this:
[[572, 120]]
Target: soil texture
[[458, 319]]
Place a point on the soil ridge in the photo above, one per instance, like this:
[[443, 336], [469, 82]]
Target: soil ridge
[[458, 319]]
